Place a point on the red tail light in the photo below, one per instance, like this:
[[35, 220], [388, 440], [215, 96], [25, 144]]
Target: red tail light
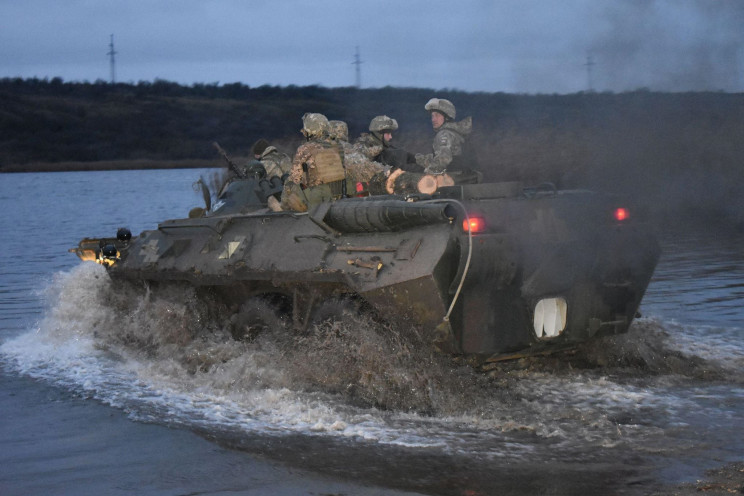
[[621, 214], [361, 189], [474, 225]]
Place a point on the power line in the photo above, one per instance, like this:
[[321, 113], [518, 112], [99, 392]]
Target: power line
[[111, 54], [357, 63]]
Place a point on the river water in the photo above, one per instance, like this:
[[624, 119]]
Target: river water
[[127, 390]]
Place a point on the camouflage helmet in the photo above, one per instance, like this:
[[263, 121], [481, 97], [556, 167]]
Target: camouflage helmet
[[383, 123], [444, 107], [339, 130], [315, 125]]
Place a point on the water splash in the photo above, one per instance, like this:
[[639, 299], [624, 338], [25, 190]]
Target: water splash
[[169, 353]]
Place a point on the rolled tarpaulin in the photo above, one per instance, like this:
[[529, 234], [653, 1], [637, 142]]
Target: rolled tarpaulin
[[373, 215]]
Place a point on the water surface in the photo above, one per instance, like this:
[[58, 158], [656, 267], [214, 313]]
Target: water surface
[[94, 412]]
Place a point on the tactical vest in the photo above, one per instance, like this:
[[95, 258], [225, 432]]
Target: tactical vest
[[329, 170]]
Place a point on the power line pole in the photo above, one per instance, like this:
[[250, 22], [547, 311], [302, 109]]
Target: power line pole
[[111, 54], [589, 64], [357, 63]]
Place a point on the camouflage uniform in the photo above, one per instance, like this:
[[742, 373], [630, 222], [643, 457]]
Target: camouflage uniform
[[369, 145], [374, 146], [359, 168], [308, 155], [361, 162], [339, 131], [357, 162], [449, 141], [317, 172], [275, 162]]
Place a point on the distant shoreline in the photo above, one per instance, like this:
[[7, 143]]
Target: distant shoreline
[[104, 165]]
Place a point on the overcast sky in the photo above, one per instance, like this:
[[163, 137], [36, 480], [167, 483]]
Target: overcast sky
[[514, 46]]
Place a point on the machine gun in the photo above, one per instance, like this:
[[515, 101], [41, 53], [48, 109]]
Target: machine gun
[[231, 165]]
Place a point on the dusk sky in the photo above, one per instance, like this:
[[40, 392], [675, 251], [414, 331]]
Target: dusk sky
[[514, 46]]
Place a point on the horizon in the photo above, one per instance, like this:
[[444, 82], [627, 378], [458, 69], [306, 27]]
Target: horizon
[[195, 85], [510, 46]]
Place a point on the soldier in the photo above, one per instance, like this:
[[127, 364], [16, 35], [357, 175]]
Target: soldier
[[371, 144], [377, 145], [317, 173], [275, 162], [450, 150], [339, 132], [252, 167], [359, 167], [258, 148]]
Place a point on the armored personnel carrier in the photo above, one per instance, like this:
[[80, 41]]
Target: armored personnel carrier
[[484, 270]]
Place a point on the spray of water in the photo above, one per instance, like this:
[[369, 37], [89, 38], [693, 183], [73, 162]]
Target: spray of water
[[344, 352], [190, 357]]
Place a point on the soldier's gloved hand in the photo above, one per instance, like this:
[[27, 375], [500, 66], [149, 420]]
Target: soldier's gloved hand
[[419, 158]]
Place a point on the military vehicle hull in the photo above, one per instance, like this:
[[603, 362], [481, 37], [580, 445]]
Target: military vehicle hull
[[482, 269]]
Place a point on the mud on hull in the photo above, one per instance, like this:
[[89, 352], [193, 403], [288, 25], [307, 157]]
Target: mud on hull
[[484, 269]]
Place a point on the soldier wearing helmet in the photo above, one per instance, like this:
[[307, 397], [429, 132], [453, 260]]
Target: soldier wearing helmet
[[273, 161], [377, 144], [338, 131], [382, 127], [380, 133], [317, 172], [358, 167], [359, 158], [339, 134], [450, 150]]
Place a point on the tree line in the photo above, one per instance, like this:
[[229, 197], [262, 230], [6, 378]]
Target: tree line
[[679, 150]]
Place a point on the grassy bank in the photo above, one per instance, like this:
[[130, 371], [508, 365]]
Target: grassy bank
[[675, 152]]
